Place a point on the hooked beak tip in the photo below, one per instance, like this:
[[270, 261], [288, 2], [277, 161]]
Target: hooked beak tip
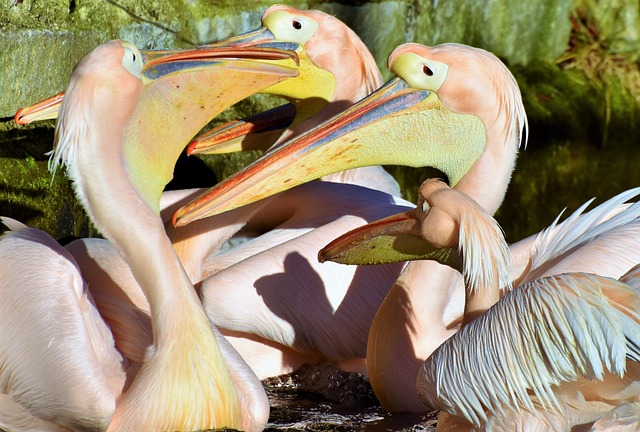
[[174, 220], [321, 257], [191, 148], [17, 118]]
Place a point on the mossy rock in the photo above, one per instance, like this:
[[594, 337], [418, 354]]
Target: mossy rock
[[579, 117]]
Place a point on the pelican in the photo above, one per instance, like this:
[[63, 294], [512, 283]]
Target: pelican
[[349, 73], [277, 272], [453, 107], [106, 141], [431, 114], [556, 351]]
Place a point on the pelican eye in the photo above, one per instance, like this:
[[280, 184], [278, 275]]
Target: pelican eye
[[427, 70], [132, 59], [296, 24]]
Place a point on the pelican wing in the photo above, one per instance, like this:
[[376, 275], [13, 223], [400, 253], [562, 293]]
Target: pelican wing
[[57, 357], [542, 334], [612, 225]]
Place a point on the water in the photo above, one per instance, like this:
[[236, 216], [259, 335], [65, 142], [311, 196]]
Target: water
[[323, 398]]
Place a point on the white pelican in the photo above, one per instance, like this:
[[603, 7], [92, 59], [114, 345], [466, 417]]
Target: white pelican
[[559, 351], [453, 107], [405, 122], [106, 140]]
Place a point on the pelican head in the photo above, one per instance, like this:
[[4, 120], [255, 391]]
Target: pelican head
[[210, 78], [328, 81], [447, 226], [444, 111]]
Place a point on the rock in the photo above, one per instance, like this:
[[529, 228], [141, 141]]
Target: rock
[[581, 103]]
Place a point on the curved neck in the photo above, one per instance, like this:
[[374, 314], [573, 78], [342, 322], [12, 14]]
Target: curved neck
[[402, 330], [489, 177], [182, 334], [403, 334], [123, 217]]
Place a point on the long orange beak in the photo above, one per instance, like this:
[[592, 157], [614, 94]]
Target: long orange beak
[[393, 239], [397, 124], [43, 110], [48, 108], [258, 132]]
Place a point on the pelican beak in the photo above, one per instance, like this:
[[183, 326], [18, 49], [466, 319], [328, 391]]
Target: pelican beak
[[397, 124], [308, 93], [272, 51], [43, 110], [183, 91], [48, 108], [269, 59], [393, 239], [257, 132]]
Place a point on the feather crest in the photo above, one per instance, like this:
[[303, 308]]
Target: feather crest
[[71, 129], [486, 256], [580, 228]]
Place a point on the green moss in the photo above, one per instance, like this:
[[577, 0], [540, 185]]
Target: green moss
[[518, 31], [583, 105], [28, 192], [50, 14], [41, 62]]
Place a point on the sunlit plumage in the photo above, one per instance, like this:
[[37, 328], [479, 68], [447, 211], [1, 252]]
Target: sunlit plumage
[[431, 115], [50, 324], [183, 382], [564, 345]]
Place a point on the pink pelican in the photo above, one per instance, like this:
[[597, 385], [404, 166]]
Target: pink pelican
[[105, 139], [451, 106], [472, 87], [555, 352], [417, 119], [277, 272]]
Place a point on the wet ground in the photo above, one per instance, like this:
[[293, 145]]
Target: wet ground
[[322, 398]]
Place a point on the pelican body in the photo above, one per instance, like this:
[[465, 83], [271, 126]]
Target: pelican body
[[105, 139], [555, 352]]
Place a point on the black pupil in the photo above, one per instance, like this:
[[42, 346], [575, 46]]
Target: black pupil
[[427, 71], [297, 25], [134, 56]]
